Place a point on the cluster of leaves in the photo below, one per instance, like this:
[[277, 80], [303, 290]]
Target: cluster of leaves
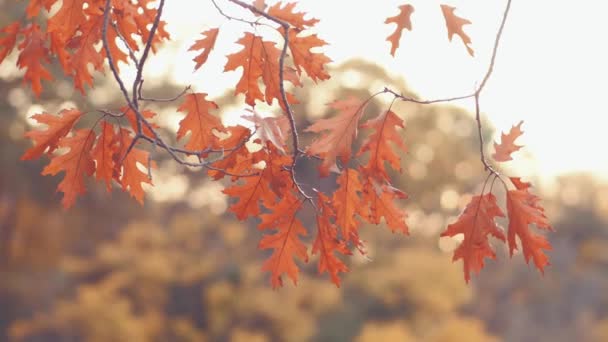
[[258, 164]]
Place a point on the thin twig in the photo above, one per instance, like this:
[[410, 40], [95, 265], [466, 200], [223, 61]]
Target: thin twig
[[151, 99]]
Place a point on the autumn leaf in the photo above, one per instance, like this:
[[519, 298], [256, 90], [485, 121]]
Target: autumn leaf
[[199, 121], [286, 13], [85, 52], [378, 143], [403, 22], [454, 25], [237, 158], [104, 154], [68, 18], [327, 243], [132, 118], [271, 129], [285, 242], [347, 203], [250, 59], [337, 143], [476, 224], [507, 144], [7, 42], [206, 45], [379, 201], [131, 175], [313, 63], [524, 209], [58, 127], [76, 163], [263, 188], [33, 54]]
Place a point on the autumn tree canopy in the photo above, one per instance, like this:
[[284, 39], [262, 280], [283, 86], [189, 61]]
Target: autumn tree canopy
[[96, 38]]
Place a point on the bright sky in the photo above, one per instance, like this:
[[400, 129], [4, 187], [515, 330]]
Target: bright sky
[[551, 68]]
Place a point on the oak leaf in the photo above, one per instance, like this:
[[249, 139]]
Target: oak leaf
[[454, 25], [337, 143], [313, 63], [33, 54], [379, 142], [199, 121], [104, 154], [507, 144], [271, 129], [327, 242], [524, 209], [131, 176], [403, 21], [476, 224], [205, 44], [7, 42], [379, 201], [347, 203], [285, 242], [76, 163], [58, 127], [286, 13]]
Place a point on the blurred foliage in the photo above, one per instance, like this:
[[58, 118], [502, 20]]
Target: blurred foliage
[[181, 269]]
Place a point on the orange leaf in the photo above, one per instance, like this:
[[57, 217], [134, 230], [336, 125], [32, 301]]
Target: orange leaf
[[304, 59], [507, 144], [327, 242], [378, 143], [132, 118], [287, 14], [58, 127], [379, 200], [206, 45], [524, 209], [236, 151], [476, 223], [76, 163], [68, 18], [264, 188], [251, 60], [454, 25], [199, 121], [33, 54], [131, 176], [85, 52], [347, 203], [7, 43], [403, 22], [104, 154], [285, 243], [342, 131]]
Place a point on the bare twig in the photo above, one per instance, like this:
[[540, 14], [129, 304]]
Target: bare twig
[[151, 99]]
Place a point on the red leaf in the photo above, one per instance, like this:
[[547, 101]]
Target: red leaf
[[76, 163], [380, 199], [507, 144], [327, 242], [476, 223], [524, 209], [236, 151], [347, 203], [58, 127], [285, 243], [206, 45], [104, 154], [454, 25], [379, 145], [304, 59], [403, 22], [132, 118], [251, 60], [342, 131], [287, 14], [199, 121], [131, 176], [33, 54], [7, 43]]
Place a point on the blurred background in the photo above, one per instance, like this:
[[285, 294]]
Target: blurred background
[[180, 268]]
